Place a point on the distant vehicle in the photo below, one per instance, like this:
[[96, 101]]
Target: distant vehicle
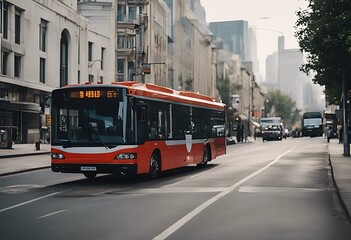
[[296, 133], [271, 120], [312, 124], [271, 131], [135, 128], [272, 128], [230, 140], [286, 133]]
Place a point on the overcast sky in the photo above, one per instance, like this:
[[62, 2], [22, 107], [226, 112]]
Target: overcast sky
[[277, 15]]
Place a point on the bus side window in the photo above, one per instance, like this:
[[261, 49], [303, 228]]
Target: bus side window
[[141, 123]]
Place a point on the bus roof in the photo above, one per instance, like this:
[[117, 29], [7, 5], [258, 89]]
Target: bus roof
[[149, 90]]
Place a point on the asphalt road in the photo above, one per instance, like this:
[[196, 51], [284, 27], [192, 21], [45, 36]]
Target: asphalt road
[[272, 190]]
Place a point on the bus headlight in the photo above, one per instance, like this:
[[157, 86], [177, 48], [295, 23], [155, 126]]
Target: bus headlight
[[57, 156], [126, 156]]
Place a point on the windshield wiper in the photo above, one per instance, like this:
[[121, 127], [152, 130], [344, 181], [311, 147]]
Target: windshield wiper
[[102, 142]]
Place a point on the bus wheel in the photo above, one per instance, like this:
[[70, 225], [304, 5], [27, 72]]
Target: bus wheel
[[206, 158], [90, 175], [154, 166]]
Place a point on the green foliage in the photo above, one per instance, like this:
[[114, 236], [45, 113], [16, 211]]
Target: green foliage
[[323, 31], [189, 83], [235, 88], [223, 87], [283, 105]]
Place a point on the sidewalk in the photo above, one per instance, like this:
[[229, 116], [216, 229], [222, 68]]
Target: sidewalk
[[341, 171], [8, 164], [340, 165]]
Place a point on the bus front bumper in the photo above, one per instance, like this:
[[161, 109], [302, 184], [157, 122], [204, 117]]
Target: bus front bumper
[[97, 168]]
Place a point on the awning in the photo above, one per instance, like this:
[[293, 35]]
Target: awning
[[20, 106], [242, 117]]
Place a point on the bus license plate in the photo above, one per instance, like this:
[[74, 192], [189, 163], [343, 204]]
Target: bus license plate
[[88, 168]]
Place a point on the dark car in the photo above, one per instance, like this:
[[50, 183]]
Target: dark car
[[271, 132], [296, 133]]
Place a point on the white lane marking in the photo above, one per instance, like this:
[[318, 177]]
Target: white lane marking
[[30, 201], [51, 214], [166, 233]]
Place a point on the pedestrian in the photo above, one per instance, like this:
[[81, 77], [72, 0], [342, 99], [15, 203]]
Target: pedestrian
[[238, 133], [255, 133], [329, 133]]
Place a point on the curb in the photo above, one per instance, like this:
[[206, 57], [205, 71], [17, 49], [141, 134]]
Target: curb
[[23, 171], [23, 154], [338, 192]]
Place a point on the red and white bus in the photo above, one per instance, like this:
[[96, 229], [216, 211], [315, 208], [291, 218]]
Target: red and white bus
[[130, 127]]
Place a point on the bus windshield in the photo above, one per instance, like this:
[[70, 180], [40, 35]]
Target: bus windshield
[[312, 124], [309, 115], [96, 122]]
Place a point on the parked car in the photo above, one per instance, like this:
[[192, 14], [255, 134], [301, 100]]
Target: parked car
[[230, 140], [296, 133]]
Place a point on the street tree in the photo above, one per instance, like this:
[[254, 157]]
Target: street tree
[[223, 87], [323, 31], [282, 105]]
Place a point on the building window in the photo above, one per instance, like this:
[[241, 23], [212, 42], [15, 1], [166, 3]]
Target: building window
[[18, 62], [120, 70], [6, 21], [121, 14], [102, 79], [78, 49], [18, 27], [125, 41], [90, 51], [42, 70], [5, 59], [120, 66], [102, 58], [78, 77], [63, 59], [3, 94], [132, 13], [120, 42], [91, 78], [42, 35], [131, 70]]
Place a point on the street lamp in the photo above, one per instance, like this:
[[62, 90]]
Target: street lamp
[[266, 107], [91, 64]]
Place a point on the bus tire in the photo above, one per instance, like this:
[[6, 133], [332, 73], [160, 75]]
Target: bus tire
[[90, 175], [206, 157], [155, 166]]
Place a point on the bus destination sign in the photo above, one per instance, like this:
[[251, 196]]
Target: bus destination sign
[[93, 94]]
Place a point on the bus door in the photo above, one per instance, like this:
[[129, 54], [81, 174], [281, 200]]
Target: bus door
[[141, 122]]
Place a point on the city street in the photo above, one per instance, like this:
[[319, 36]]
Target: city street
[[271, 190]]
